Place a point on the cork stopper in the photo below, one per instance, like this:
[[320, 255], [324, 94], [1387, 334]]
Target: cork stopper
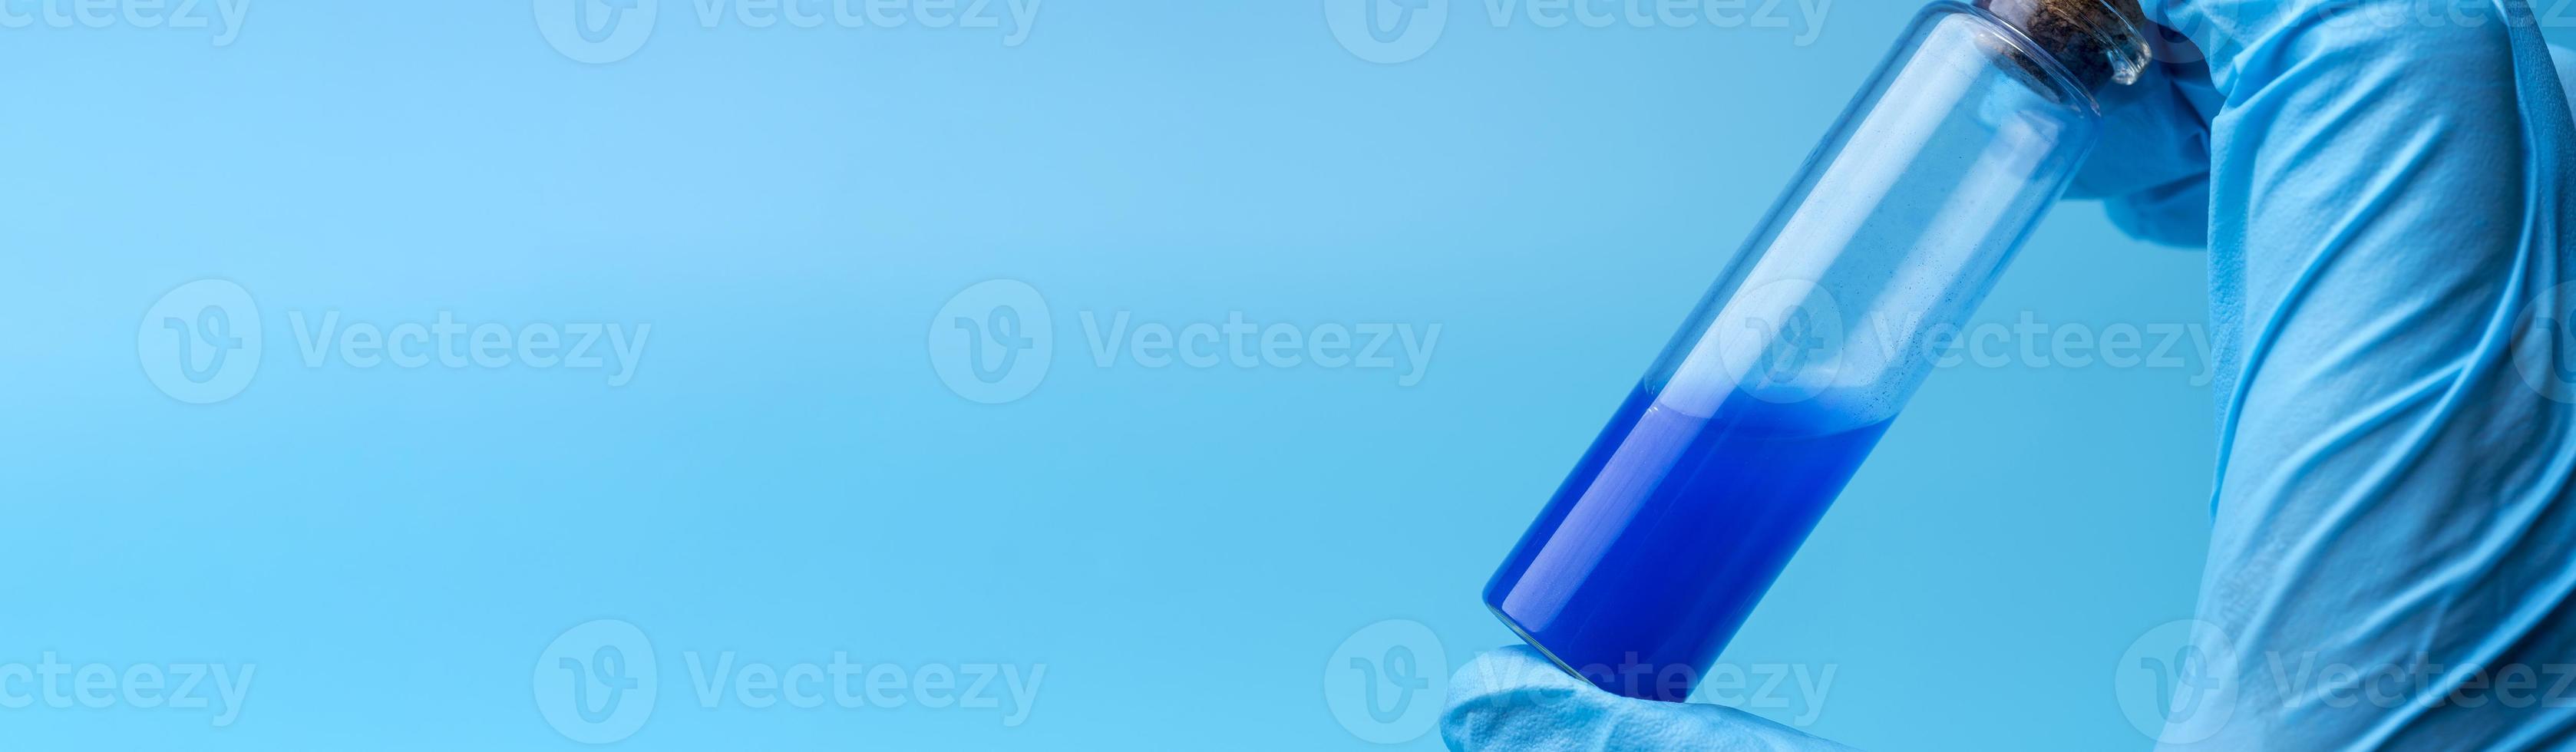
[[2096, 42]]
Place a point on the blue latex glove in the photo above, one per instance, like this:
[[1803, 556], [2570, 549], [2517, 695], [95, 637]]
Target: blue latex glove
[[1514, 699], [2386, 203]]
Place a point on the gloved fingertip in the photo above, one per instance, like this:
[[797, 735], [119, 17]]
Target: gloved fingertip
[[1506, 668], [1513, 698], [2155, 138], [2175, 215]]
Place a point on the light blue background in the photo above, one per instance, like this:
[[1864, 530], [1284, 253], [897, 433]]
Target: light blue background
[[786, 477]]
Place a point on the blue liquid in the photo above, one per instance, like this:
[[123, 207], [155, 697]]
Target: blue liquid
[[1659, 544]]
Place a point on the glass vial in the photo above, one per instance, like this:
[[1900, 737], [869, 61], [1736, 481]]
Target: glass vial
[[1690, 502]]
